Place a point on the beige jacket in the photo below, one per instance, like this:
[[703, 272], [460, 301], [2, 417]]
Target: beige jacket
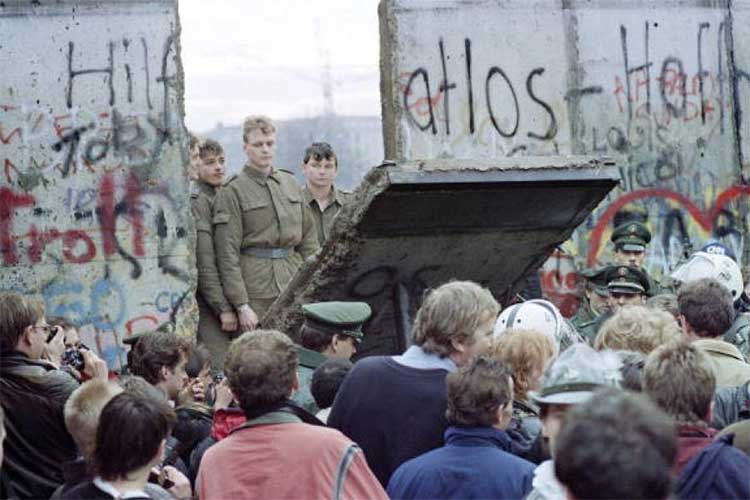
[[730, 367]]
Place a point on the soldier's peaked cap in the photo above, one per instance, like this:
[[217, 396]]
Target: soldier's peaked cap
[[344, 318], [627, 279], [631, 236]]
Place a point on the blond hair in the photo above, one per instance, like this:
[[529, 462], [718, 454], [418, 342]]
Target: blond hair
[[453, 311], [257, 122], [637, 328], [522, 351], [82, 411]]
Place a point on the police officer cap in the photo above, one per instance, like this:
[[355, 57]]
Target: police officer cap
[[627, 279], [631, 236], [337, 317], [576, 374], [597, 276]]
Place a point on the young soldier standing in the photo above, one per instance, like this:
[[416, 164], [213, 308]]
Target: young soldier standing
[[262, 229], [320, 167], [218, 322]]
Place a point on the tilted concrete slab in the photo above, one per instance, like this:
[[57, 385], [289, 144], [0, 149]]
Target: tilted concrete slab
[[415, 225]]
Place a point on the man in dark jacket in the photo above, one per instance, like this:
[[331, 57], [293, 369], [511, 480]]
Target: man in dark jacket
[[476, 461], [33, 393], [731, 404]]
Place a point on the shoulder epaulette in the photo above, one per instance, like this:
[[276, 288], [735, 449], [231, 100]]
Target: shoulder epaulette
[[285, 171], [231, 178]]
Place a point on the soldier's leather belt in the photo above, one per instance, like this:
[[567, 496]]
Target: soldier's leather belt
[[267, 253]]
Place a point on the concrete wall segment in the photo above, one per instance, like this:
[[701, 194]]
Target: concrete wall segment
[[94, 202]]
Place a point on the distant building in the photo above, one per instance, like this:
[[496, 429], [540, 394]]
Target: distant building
[[357, 140]]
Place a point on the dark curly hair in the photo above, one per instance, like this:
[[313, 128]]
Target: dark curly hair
[[157, 349]]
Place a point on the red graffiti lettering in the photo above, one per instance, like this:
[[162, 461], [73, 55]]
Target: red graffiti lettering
[[130, 325], [9, 202], [70, 241]]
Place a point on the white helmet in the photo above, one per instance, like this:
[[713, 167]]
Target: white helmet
[[537, 314], [710, 265]]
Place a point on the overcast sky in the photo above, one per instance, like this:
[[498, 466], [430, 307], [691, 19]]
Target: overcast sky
[[246, 57]]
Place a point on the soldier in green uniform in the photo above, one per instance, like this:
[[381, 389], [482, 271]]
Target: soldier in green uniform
[[263, 230], [320, 167], [331, 329], [217, 323], [595, 302], [627, 285], [631, 240]]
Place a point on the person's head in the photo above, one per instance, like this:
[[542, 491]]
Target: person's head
[[595, 289], [526, 353], [480, 394], [319, 165], [160, 358], [138, 385], [617, 445], [722, 268], [72, 337], [326, 380], [627, 285], [261, 367], [259, 138], [637, 328], [193, 148], [82, 411], [131, 436], [22, 325], [542, 316], [630, 242], [666, 302], [571, 380], [456, 320], [706, 308], [211, 165], [679, 378], [334, 328], [632, 370]]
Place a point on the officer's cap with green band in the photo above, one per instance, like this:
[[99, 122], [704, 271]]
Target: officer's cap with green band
[[576, 374], [627, 280], [631, 237], [342, 318]]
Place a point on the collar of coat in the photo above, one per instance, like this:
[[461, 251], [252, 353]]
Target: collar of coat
[[718, 346], [335, 196], [259, 176], [477, 436]]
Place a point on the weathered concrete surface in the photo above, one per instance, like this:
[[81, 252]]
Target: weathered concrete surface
[[661, 87], [417, 225], [94, 205]]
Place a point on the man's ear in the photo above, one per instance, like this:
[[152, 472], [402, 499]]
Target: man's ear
[[458, 346], [295, 384], [25, 338], [164, 373]]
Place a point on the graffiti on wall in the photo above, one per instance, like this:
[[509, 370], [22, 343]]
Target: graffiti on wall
[[93, 198], [661, 90]]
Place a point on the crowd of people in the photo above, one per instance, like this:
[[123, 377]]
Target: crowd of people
[[644, 394]]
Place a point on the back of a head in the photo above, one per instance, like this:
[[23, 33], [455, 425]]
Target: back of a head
[[476, 391], [326, 380], [261, 368], [154, 351], [707, 307], [141, 387], [679, 378], [453, 311], [523, 352], [637, 328], [16, 313], [632, 370], [131, 431], [83, 409], [616, 445]]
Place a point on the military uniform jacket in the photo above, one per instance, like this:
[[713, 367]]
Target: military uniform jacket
[[586, 322], [209, 284], [255, 211], [324, 218]]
